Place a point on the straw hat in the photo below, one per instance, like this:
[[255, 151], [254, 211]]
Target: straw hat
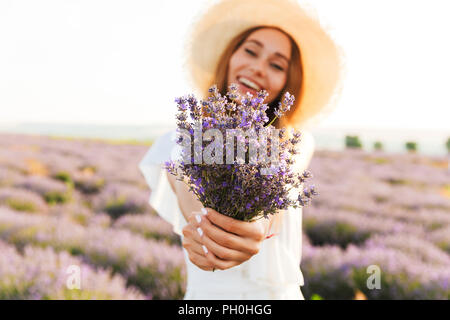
[[321, 57]]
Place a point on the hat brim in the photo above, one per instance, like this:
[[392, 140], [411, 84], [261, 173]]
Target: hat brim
[[322, 58]]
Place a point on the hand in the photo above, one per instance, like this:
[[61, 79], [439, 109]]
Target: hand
[[193, 244], [230, 242]]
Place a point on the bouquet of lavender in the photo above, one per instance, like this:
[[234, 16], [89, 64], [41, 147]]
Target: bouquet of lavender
[[255, 183]]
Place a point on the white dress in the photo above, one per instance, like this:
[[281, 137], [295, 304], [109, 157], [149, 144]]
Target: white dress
[[273, 273]]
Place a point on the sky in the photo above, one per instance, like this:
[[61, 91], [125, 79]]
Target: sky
[[119, 62]]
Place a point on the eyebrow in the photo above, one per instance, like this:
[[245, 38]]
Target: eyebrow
[[262, 46]]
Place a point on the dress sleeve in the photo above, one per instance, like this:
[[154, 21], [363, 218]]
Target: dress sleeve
[[162, 197]]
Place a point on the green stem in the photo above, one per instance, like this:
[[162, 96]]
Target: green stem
[[272, 121]]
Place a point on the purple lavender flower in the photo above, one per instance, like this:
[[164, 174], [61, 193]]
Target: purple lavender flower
[[22, 200], [239, 189], [43, 274], [119, 198], [52, 191], [147, 264]]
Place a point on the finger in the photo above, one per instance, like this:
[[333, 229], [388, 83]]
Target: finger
[[193, 246], [193, 219], [224, 238], [241, 228], [201, 261], [194, 232], [223, 252], [196, 215], [220, 220], [193, 239], [220, 264]]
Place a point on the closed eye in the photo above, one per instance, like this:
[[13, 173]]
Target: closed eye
[[273, 64], [250, 52], [278, 67]]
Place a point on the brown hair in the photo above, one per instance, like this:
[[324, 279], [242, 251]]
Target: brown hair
[[293, 86], [293, 82]]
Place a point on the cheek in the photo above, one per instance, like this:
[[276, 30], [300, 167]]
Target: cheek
[[233, 64], [277, 82], [237, 62]]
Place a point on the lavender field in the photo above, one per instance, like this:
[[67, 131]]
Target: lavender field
[[83, 202]]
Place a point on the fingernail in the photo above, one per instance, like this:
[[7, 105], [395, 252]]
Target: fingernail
[[204, 211], [200, 231], [199, 219], [205, 249]]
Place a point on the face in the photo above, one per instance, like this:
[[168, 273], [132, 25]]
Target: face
[[261, 62]]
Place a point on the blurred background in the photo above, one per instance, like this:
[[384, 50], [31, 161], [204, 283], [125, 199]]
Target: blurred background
[[86, 86]]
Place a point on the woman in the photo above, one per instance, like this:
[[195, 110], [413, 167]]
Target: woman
[[273, 45]]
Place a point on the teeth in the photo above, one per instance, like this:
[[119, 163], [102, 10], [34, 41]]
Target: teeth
[[249, 83]]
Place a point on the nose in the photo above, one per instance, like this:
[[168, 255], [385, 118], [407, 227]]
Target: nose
[[258, 68]]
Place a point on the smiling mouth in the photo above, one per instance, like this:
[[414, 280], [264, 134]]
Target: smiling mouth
[[245, 88]]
